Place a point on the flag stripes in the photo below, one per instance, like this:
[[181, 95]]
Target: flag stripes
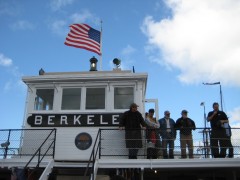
[[85, 37]]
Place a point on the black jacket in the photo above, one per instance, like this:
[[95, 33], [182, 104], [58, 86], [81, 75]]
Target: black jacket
[[185, 125], [132, 121]]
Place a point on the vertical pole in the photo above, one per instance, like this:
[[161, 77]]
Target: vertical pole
[[142, 171], [204, 131], [205, 118], [101, 47], [221, 97]]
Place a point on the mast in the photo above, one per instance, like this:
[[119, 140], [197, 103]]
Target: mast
[[101, 47]]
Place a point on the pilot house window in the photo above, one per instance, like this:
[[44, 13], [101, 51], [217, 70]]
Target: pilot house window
[[123, 97], [95, 98], [44, 99], [71, 98]]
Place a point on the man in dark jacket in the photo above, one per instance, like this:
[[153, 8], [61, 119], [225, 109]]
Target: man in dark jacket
[[218, 137], [132, 121], [185, 125], [168, 134]]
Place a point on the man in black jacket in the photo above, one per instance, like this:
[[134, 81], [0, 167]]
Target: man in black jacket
[[218, 138], [132, 121], [185, 125]]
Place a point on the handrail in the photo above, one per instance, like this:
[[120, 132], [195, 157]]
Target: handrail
[[109, 146], [93, 155], [38, 151]]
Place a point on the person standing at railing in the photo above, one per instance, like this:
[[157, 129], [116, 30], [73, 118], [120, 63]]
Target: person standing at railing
[[132, 121], [152, 135], [185, 125], [218, 137], [229, 142], [168, 134]]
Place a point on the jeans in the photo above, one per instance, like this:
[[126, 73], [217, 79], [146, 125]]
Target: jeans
[[168, 143]]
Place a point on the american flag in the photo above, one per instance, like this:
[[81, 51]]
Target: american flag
[[85, 37]]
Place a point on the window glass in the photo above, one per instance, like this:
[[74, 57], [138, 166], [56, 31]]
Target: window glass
[[123, 97], [44, 99], [95, 98], [71, 98]]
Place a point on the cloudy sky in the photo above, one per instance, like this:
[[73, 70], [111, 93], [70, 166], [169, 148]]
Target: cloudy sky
[[180, 44]]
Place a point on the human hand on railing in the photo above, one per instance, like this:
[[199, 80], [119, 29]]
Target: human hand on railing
[[121, 128], [144, 128]]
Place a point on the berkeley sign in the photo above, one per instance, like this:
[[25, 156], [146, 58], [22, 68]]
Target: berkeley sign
[[73, 120]]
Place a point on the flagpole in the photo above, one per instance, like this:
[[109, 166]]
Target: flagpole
[[101, 47]]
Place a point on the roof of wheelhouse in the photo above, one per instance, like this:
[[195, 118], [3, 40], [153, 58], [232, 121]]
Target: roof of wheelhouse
[[114, 75]]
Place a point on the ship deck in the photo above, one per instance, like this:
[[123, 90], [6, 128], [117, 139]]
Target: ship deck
[[131, 163]]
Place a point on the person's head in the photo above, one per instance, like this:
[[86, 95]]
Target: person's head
[[184, 113], [151, 112], [133, 107], [215, 106], [166, 114], [146, 114]]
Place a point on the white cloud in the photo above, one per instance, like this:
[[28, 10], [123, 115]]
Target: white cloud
[[9, 8], [5, 61], [84, 16], [127, 57], [128, 50], [59, 27], [14, 80], [22, 25], [14, 84], [234, 117], [81, 17], [201, 39], [58, 4]]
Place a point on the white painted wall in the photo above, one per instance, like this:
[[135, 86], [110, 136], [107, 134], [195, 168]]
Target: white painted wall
[[65, 148]]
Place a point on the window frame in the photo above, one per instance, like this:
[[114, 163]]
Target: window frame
[[80, 100], [123, 86], [36, 96], [105, 97]]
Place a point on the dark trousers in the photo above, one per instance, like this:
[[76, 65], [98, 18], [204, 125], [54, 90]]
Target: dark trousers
[[132, 153], [219, 140], [230, 147], [168, 143], [152, 153]]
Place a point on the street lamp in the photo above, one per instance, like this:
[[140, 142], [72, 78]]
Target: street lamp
[[204, 114], [205, 132], [216, 83]]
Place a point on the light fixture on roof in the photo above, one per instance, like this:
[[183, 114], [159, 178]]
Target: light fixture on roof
[[41, 72], [93, 64], [117, 62]]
